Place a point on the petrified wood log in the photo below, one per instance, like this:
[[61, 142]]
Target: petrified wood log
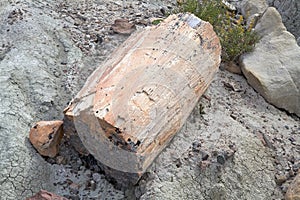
[[133, 104]]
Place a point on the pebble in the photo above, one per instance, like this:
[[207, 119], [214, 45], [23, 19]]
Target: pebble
[[287, 127], [74, 188], [60, 160], [178, 163], [229, 153], [233, 116], [280, 179], [296, 166], [204, 164], [196, 146], [291, 173], [292, 139], [221, 158], [97, 177], [284, 187], [204, 155], [93, 185]]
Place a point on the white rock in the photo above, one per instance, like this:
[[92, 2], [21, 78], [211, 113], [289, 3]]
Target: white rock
[[273, 68], [290, 12]]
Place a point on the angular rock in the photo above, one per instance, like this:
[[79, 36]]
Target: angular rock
[[45, 195], [45, 136], [293, 192], [132, 106], [273, 68], [270, 24], [290, 12], [122, 26]]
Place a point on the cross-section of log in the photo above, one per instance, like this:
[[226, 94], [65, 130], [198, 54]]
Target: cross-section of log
[[133, 104]]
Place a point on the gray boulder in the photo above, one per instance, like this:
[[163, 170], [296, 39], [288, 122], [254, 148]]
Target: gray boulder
[[290, 12], [273, 68]]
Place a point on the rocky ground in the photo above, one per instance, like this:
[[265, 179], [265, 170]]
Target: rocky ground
[[233, 146], [238, 149]]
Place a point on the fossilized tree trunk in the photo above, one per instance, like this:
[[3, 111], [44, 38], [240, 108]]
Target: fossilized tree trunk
[[133, 104]]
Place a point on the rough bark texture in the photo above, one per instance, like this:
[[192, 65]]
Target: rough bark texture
[[132, 106]]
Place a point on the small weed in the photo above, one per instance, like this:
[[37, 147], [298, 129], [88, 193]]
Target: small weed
[[157, 21]]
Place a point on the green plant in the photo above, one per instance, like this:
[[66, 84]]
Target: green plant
[[235, 38], [157, 21]]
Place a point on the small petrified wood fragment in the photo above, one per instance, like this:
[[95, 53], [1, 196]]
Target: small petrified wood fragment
[[133, 104], [45, 136]]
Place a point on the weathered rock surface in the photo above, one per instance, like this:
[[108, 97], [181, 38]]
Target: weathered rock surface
[[293, 193], [45, 195], [273, 68], [290, 13], [45, 136]]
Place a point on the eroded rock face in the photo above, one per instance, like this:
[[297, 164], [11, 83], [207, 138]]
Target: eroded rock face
[[273, 68], [45, 136]]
